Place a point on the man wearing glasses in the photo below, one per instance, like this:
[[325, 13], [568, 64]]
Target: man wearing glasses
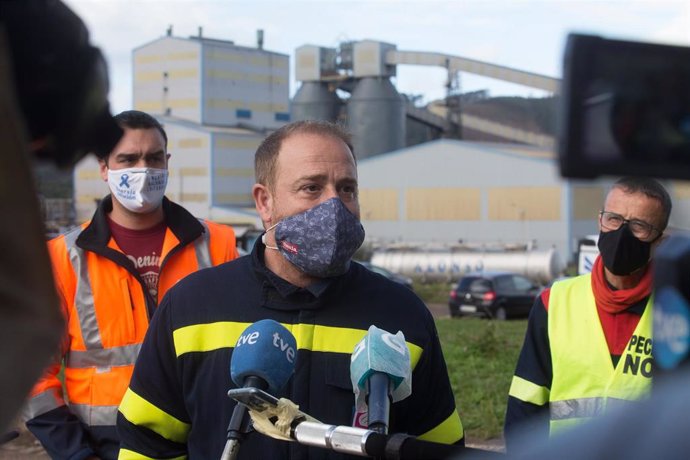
[[589, 338]]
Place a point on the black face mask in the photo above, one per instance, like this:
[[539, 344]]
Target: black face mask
[[621, 252]]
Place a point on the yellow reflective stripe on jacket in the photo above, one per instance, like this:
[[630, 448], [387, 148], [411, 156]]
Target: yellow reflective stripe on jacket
[[526, 391], [449, 431], [126, 454], [329, 339], [209, 337], [585, 383], [326, 338], [140, 412]]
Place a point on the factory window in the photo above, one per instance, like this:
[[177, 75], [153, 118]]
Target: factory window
[[282, 116], [243, 113]]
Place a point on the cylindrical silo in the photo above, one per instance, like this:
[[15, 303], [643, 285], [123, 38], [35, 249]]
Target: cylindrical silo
[[314, 101], [376, 117]]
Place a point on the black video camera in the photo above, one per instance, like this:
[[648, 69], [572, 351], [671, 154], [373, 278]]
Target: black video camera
[[58, 80], [626, 111]]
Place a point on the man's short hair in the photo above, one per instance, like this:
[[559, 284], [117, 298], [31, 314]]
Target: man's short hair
[[267, 153], [136, 119], [649, 187]]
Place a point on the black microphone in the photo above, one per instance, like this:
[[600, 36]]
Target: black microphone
[[380, 372], [263, 358]]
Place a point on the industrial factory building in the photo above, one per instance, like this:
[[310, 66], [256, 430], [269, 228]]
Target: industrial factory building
[[212, 82], [217, 101], [419, 184], [351, 84], [475, 195]]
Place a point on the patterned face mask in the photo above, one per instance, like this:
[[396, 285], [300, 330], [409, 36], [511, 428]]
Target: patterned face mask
[[319, 241]]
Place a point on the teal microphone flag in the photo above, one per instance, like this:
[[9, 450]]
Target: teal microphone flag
[[381, 351]]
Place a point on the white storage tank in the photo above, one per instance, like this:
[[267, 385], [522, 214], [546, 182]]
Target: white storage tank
[[449, 265]]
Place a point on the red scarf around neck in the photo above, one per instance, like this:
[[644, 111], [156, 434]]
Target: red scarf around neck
[[615, 301]]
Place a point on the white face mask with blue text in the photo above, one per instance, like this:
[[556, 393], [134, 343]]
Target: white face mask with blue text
[[139, 190]]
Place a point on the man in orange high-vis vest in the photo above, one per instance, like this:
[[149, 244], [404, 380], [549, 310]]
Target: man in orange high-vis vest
[[111, 274]]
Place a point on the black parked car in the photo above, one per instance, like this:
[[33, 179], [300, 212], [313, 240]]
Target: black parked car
[[498, 295], [404, 280]]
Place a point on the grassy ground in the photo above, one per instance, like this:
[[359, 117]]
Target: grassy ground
[[481, 357]]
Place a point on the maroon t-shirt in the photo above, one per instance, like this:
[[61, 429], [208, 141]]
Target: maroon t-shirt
[[143, 248]]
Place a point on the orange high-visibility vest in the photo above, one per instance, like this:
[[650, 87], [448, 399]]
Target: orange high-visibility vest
[[107, 309]]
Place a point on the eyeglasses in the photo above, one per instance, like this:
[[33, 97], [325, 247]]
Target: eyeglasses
[[641, 229]]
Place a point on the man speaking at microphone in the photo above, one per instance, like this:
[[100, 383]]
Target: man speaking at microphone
[[299, 274]]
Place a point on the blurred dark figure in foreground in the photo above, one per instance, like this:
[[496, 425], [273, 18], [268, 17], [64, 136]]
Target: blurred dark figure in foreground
[[53, 107]]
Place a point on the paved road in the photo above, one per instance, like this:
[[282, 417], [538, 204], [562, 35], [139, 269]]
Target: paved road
[[438, 310]]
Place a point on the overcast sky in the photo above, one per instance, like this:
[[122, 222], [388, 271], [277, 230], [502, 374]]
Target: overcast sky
[[524, 34]]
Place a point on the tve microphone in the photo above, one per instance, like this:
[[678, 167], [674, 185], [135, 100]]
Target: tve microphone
[[263, 358], [265, 350], [380, 370]]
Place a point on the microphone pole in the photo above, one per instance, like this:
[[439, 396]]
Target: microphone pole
[[379, 402], [380, 372], [355, 441], [367, 443], [263, 359], [239, 422]]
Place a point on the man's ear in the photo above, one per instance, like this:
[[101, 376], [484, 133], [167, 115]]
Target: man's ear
[[103, 168], [263, 201]]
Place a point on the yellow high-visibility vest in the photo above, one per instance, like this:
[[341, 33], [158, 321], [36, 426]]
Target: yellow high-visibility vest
[[585, 383]]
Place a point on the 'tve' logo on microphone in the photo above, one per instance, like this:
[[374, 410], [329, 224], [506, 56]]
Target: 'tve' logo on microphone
[[250, 339], [253, 337], [278, 342], [265, 349]]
